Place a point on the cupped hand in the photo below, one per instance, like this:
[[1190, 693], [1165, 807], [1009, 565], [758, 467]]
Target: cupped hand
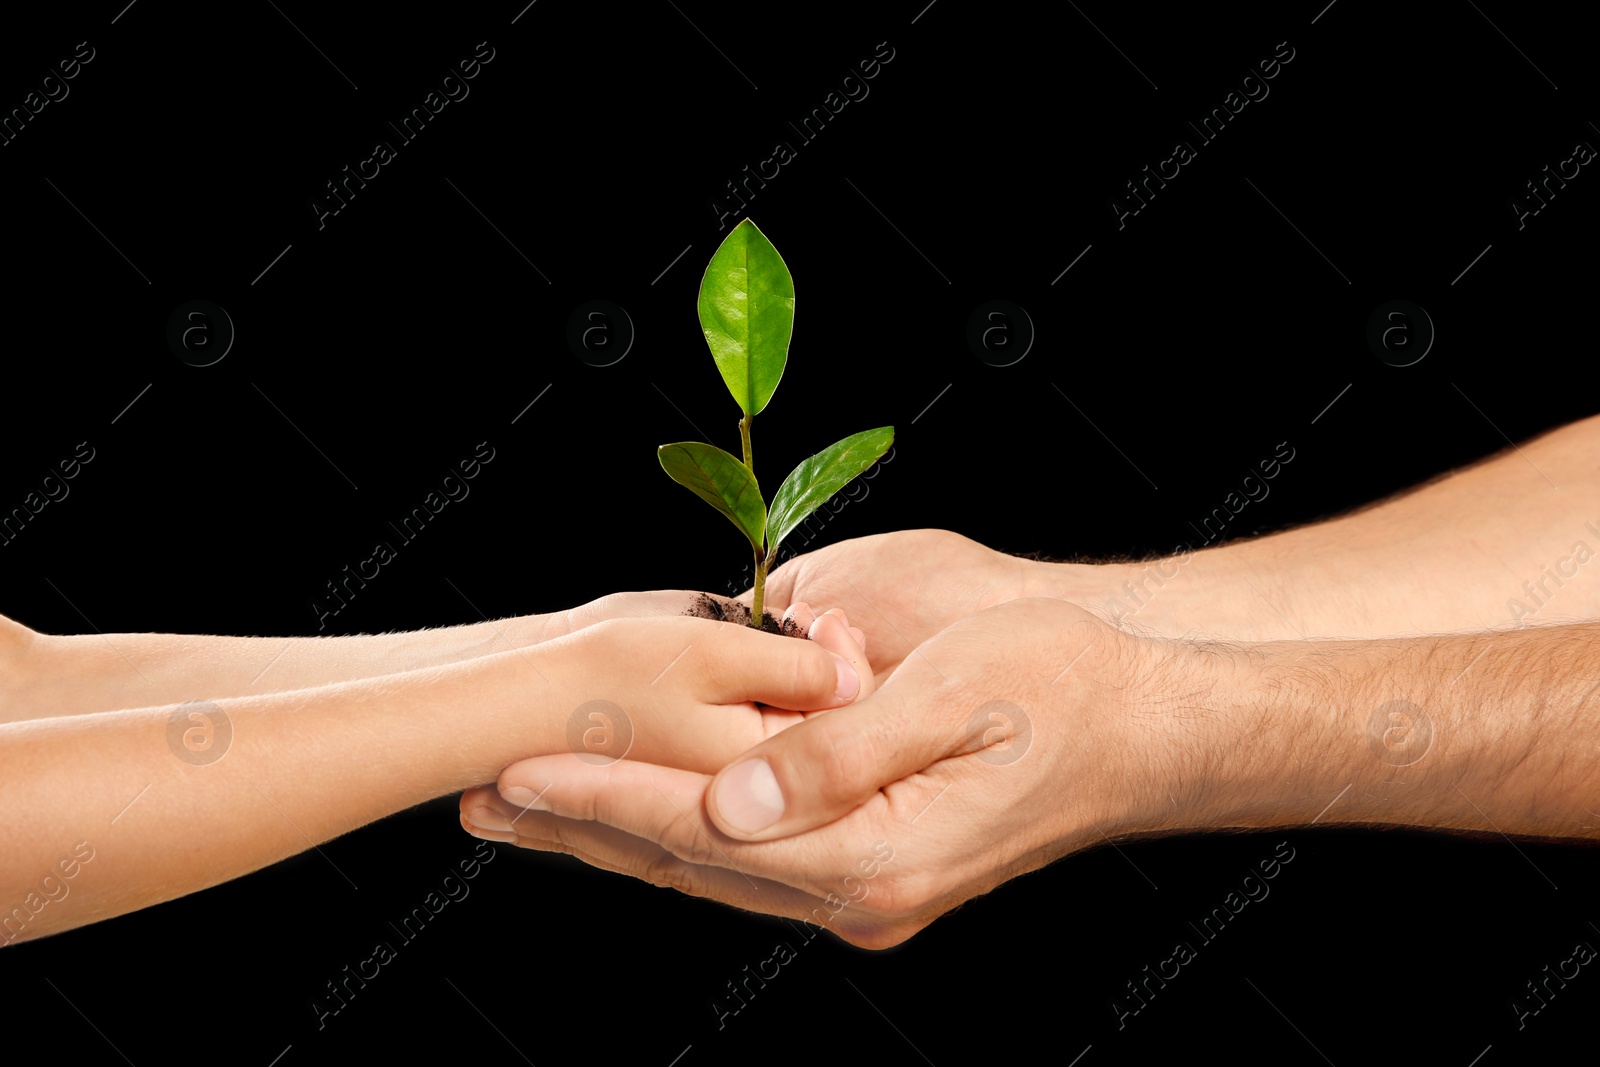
[[685, 692], [904, 587], [1012, 737]]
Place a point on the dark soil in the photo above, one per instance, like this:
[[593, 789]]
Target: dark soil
[[706, 606]]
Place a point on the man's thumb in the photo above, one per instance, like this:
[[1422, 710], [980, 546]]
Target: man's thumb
[[823, 768]]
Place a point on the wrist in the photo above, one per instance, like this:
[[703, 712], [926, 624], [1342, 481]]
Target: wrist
[[525, 631], [1199, 751], [1158, 596], [659, 603], [1264, 738], [517, 708], [1109, 591], [1252, 736], [1233, 593], [20, 651]]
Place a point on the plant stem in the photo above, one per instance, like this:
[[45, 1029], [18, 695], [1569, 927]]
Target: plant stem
[[761, 561], [756, 608], [758, 604]]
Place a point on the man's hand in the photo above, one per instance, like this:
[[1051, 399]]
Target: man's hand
[[1377, 572], [904, 587], [1032, 729], [1012, 737]]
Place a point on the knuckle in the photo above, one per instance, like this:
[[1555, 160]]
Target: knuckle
[[669, 872], [602, 799], [625, 641], [558, 835], [902, 896], [813, 674], [847, 758], [683, 837], [551, 840], [538, 844]]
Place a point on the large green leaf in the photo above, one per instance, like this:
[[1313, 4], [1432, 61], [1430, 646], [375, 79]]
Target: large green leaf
[[810, 484], [721, 481], [747, 313]]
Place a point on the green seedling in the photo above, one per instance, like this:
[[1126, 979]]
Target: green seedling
[[747, 312]]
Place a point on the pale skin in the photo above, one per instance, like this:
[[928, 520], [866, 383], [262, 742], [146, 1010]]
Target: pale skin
[[1386, 668], [329, 734], [48, 675]]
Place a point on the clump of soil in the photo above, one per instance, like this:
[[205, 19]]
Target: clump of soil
[[706, 606]]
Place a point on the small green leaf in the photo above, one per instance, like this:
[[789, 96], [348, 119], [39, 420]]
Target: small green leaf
[[810, 484], [747, 313], [721, 481]]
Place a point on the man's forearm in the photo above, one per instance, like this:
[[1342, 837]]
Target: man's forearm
[[1488, 732], [1496, 545]]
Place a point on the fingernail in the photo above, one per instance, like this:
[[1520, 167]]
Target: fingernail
[[489, 819], [748, 796], [523, 797], [849, 682]]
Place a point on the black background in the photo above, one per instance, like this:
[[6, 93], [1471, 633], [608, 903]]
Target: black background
[[379, 349]]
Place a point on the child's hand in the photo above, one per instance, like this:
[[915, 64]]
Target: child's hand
[[718, 692]]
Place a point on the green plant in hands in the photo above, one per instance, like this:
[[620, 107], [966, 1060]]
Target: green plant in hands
[[747, 313]]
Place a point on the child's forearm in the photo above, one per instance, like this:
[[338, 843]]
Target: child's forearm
[[45, 676], [295, 770], [83, 673]]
